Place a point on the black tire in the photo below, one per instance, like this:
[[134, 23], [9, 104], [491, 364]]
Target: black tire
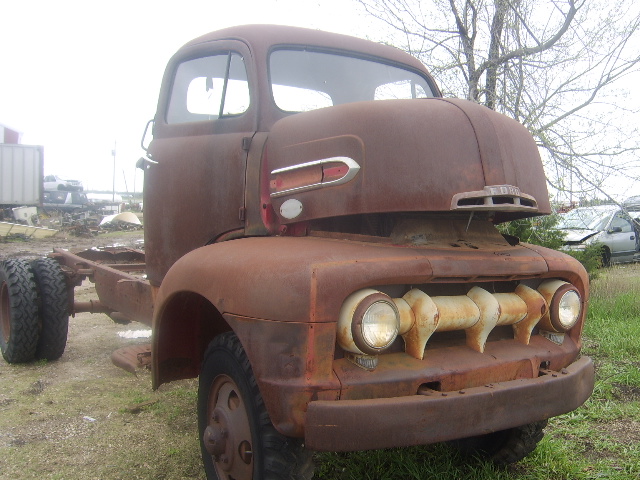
[[237, 438], [506, 446], [19, 323], [606, 257], [53, 302]]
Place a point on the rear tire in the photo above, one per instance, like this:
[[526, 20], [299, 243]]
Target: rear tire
[[19, 323], [237, 439], [54, 316], [506, 446]]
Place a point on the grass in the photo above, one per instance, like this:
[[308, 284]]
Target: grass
[[600, 440]]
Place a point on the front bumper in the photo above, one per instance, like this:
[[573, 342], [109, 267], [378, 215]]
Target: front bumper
[[348, 425]]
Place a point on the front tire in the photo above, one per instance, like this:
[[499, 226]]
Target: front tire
[[19, 323], [506, 446], [237, 439]]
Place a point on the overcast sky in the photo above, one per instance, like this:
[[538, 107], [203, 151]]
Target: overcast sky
[[77, 76]]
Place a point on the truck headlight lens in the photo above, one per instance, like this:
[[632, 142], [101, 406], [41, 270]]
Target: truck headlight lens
[[378, 326], [369, 322], [565, 309]]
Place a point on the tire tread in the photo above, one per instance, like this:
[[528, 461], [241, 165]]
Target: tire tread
[[24, 322]]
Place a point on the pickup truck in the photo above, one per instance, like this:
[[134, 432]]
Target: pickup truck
[[321, 251]]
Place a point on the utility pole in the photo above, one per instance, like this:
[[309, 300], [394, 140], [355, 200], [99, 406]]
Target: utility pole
[[113, 152]]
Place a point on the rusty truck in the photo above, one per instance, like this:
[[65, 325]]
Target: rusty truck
[[321, 250]]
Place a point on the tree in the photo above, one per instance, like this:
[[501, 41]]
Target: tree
[[556, 66]]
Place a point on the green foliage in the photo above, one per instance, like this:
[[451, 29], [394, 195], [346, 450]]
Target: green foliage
[[537, 230], [543, 231], [591, 258]]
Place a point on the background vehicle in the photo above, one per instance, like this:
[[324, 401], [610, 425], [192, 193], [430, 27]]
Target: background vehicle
[[321, 250], [64, 200], [616, 229], [53, 182]]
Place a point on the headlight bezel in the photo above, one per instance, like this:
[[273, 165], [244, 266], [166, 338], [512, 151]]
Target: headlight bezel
[[351, 336], [555, 310], [359, 314]]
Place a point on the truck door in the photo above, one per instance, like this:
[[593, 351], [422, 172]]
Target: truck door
[[194, 184]]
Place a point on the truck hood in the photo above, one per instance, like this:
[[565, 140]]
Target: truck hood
[[426, 155], [578, 236]]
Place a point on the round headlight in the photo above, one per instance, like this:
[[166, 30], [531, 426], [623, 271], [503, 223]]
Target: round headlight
[[375, 323], [379, 325], [565, 308]]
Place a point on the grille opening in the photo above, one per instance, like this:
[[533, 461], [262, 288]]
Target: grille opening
[[469, 202], [527, 203], [429, 387], [543, 366], [503, 200]]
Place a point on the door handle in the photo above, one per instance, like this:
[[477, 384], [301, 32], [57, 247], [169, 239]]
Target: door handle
[[145, 163]]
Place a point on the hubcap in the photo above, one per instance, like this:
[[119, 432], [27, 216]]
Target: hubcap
[[227, 437]]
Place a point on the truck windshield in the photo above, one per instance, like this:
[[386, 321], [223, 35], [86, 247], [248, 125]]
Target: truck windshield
[[303, 80]]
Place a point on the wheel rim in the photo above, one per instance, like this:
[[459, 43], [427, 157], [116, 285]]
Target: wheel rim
[[5, 312], [227, 437]]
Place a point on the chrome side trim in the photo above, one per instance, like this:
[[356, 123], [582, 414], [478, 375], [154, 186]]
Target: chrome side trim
[[352, 170]]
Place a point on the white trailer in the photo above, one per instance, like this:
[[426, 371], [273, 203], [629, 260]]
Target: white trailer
[[21, 173]]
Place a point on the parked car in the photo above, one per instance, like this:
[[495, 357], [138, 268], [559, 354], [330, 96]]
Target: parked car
[[616, 228], [66, 201], [53, 182], [632, 202]]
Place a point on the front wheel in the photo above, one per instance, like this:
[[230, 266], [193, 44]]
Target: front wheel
[[237, 438], [506, 446]]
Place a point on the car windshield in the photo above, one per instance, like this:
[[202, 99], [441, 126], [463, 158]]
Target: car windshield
[[585, 218], [303, 80]]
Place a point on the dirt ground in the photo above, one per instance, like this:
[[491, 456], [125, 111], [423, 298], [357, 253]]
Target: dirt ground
[[83, 418]]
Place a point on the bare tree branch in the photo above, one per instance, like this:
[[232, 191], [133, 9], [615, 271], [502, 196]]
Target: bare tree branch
[[554, 65]]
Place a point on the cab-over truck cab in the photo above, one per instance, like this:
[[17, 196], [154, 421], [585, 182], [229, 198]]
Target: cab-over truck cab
[[321, 250], [350, 281]]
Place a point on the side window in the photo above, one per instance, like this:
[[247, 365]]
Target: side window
[[208, 88], [621, 222]]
